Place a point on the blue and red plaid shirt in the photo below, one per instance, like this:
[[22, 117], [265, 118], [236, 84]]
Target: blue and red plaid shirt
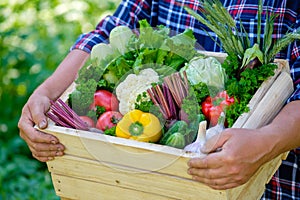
[[285, 184]]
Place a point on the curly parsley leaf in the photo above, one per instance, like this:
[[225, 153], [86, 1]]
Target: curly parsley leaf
[[143, 102]]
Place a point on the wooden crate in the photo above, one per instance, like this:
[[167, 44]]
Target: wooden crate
[[104, 167]]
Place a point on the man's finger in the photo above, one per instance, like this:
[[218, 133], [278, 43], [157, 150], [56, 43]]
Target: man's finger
[[215, 143], [32, 135], [43, 159], [36, 147], [47, 153], [211, 161], [28, 133], [207, 173], [218, 184], [38, 115]]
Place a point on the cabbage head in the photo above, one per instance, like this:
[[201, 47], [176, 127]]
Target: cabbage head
[[206, 70]]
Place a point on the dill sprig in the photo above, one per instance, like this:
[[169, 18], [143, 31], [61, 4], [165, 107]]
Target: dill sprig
[[282, 43], [218, 19], [268, 41]]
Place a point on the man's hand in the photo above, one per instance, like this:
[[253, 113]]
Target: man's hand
[[43, 146], [242, 152]]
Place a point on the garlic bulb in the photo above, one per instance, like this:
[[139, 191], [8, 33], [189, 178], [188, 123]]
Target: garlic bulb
[[199, 142], [204, 135]]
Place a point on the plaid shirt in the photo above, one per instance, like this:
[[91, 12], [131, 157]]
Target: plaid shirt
[[285, 184]]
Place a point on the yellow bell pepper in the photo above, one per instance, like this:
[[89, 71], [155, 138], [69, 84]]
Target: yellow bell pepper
[[138, 125]]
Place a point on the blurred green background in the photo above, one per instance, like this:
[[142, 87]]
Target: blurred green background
[[34, 37]]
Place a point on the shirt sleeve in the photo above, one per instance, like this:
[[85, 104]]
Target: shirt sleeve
[[295, 73], [128, 13], [295, 65]]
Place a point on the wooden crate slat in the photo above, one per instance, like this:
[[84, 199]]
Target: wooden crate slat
[[94, 146], [170, 186], [79, 189]]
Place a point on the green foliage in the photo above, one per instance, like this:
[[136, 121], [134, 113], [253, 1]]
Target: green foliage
[[20, 176], [34, 37], [244, 89]]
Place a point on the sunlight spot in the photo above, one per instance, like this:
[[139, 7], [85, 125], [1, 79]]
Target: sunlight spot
[[13, 73], [3, 128], [36, 68], [21, 89]]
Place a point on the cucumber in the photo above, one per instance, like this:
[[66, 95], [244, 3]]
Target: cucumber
[[176, 140], [175, 136]]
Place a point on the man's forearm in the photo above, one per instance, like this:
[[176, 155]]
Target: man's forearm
[[284, 131], [64, 75]]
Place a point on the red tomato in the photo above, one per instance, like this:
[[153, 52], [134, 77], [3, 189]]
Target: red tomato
[[89, 121], [105, 99], [108, 120]]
